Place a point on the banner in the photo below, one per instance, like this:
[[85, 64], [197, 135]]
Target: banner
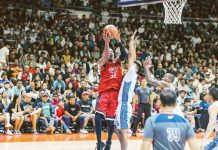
[[127, 3]]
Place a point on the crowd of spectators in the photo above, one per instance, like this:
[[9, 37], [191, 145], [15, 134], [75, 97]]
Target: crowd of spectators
[[53, 61], [193, 9]]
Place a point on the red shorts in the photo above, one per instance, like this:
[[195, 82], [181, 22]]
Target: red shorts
[[107, 104]]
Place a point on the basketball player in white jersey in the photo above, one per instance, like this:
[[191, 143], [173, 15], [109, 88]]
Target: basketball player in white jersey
[[124, 109], [212, 98], [166, 82]]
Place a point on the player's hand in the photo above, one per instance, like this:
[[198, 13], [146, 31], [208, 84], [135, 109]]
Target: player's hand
[[133, 41], [117, 37], [147, 63], [106, 38]]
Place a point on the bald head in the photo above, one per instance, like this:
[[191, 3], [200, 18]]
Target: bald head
[[169, 78], [28, 97]]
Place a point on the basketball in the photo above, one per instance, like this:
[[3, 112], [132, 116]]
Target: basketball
[[110, 31]]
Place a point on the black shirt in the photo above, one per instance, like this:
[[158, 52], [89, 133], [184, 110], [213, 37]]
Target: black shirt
[[25, 106], [72, 109], [12, 106], [1, 107], [85, 106]]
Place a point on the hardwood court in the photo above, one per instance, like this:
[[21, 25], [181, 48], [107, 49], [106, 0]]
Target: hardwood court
[[65, 142]]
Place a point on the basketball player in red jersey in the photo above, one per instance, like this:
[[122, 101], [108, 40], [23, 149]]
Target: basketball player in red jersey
[[111, 78]]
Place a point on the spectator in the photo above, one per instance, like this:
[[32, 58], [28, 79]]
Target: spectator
[[25, 76], [32, 114], [182, 86], [181, 97], [59, 113], [4, 79], [159, 72], [5, 117], [4, 53], [72, 113], [18, 88], [5, 100], [87, 109], [7, 88], [81, 89], [55, 99], [94, 76], [15, 68], [46, 113], [59, 84], [36, 84], [16, 113]]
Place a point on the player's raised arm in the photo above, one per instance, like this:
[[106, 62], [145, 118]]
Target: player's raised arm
[[132, 50], [149, 76], [104, 57], [123, 52]]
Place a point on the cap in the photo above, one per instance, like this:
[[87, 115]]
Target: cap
[[207, 73], [6, 82], [95, 64], [45, 94], [55, 94], [70, 95], [85, 93]]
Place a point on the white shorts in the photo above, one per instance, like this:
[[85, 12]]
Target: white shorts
[[123, 116]]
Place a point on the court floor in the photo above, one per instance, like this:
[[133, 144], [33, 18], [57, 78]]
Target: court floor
[[66, 142]]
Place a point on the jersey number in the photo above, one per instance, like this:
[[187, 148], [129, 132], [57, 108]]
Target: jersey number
[[113, 76], [173, 134]]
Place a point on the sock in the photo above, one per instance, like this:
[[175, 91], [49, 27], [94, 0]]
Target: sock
[[98, 125]]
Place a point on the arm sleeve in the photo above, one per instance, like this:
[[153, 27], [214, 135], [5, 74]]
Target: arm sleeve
[[148, 129], [123, 52]]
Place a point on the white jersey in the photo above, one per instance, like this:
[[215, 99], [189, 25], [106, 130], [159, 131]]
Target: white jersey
[[127, 87], [124, 108]]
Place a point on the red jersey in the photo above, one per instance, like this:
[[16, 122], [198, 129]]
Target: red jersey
[[111, 77], [25, 76], [59, 111]]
